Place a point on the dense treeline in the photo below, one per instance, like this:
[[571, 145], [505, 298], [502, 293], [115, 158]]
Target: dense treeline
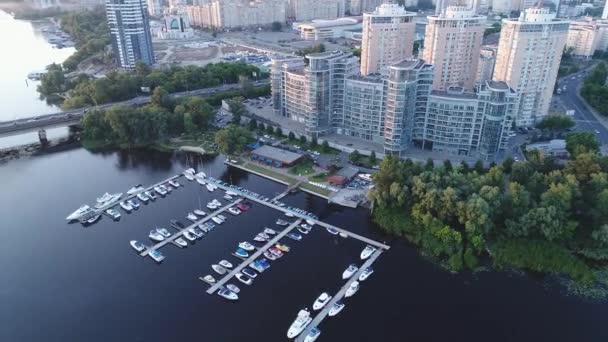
[[119, 86], [535, 214], [90, 32], [594, 89], [141, 126]]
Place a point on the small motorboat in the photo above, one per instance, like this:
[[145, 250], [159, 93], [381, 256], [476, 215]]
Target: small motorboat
[[197, 231], [201, 175], [349, 271], [189, 236], [160, 191], [231, 193], [228, 197], [157, 256], [225, 264], [113, 213], [343, 234], [107, 199], [303, 230], [352, 289], [226, 293], [188, 176], [143, 197], [222, 217], [332, 231], [259, 238], [193, 232], [233, 288], [211, 206], [201, 181], [85, 209], [289, 214], [177, 224], [192, 217], [243, 278], [242, 207], [93, 219], [216, 202], [199, 212], [260, 265], [321, 301], [312, 335], [163, 231], [282, 223], [264, 235], [246, 246], [219, 269], [270, 256], [336, 308], [217, 220], [174, 184], [181, 242], [210, 226], [310, 222], [294, 236], [134, 203], [283, 248], [190, 170], [269, 231], [241, 253], [156, 236], [126, 206], [210, 188], [135, 189], [276, 252], [366, 273], [299, 324], [209, 279], [150, 195], [251, 274], [167, 188], [367, 252], [306, 226], [234, 211], [138, 246]]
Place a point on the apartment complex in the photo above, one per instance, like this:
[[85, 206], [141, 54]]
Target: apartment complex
[[226, 14], [130, 32], [388, 37], [583, 38], [307, 10], [529, 53], [452, 44], [485, 68], [358, 7]]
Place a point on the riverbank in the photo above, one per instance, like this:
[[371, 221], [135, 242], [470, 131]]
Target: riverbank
[[35, 149]]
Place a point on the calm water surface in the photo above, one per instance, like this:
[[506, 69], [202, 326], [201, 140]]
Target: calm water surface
[[64, 282]]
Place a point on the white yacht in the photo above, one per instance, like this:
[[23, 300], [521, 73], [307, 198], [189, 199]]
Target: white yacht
[[231, 193], [233, 288], [201, 175], [352, 289], [188, 235], [189, 176], [312, 335], [269, 231], [217, 220], [225, 264], [156, 236], [299, 324], [222, 217], [108, 199], [264, 235], [343, 235], [181, 242], [336, 308], [246, 246], [367, 252], [192, 217], [85, 209], [93, 219], [193, 232], [143, 197], [321, 301], [228, 197], [174, 184], [163, 231], [160, 190], [199, 212], [201, 181], [244, 279], [126, 206], [210, 188], [209, 279], [136, 189], [259, 238], [366, 273], [289, 214], [113, 213], [226, 293], [234, 211], [219, 269], [138, 246], [156, 256], [151, 195], [211, 206], [190, 170], [350, 270]]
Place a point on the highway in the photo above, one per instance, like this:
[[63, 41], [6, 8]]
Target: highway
[[66, 118]]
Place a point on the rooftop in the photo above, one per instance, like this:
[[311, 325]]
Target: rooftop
[[277, 154]]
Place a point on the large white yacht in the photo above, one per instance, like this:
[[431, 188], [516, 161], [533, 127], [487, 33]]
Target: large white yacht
[[299, 324], [108, 199], [85, 209], [321, 301]]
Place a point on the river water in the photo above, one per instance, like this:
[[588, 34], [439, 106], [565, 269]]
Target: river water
[[65, 282], [25, 50]]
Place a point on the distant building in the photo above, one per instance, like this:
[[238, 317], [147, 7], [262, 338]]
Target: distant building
[[388, 37], [307, 10], [358, 7], [155, 8], [228, 14], [176, 26], [130, 32], [452, 43], [325, 29], [91, 4], [529, 53], [583, 37], [485, 68], [275, 156], [555, 148]]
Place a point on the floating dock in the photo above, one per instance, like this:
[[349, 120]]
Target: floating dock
[[253, 257], [323, 313]]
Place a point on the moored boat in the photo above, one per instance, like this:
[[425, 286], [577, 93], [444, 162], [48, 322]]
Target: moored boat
[[269, 255], [243, 278], [138, 246], [367, 252], [258, 238], [234, 211], [93, 219], [157, 256], [210, 188], [366, 273], [349, 271], [181, 242], [251, 274], [283, 248], [192, 217], [188, 176], [303, 230], [289, 214], [163, 231], [174, 184], [219, 269], [143, 197], [282, 222], [352, 289], [85, 209], [241, 253], [156, 236], [321, 301], [226, 293], [113, 213], [299, 324], [336, 308], [108, 199], [151, 195], [217, 220], [294, 236], [200, 181], [264, 235], [332, 231], [246, 246], [199, 212], [209, 279], [133, 203], [226, 264], [312, 335], [343, 234], [160, 190], [269, 231], [233, 288], [188, 235], [135, 189]]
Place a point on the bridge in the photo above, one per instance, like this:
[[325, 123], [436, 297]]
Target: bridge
[[73, 117]]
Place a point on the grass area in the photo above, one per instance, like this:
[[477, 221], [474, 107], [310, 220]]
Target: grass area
[[316, 189], [270, 173], [303, 168], [321, 177]]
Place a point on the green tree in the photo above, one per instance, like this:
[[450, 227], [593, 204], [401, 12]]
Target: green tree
[[556, 122], [302, 139], [372, 157], [313, 142], [291, 136], [354, 157], [232, 139], [580, 142], [278, 131], [253, 124]]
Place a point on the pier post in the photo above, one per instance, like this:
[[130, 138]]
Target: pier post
[[42, 137]]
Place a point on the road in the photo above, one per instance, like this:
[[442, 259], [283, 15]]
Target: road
[[58, 119]]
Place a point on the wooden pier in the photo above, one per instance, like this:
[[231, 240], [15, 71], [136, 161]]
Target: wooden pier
[[171, 238], [253, 257], [338, 296]]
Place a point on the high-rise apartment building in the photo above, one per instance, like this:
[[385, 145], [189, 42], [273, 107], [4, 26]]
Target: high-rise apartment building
[[388, 37], [307, 10], [358, 7], [236, 13], [583, 37], [130, 32], [452, 42], [155, 8], [529, 53]]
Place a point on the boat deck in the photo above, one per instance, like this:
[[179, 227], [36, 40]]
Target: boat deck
[[323, 313], [252, 257], [171, 238]]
